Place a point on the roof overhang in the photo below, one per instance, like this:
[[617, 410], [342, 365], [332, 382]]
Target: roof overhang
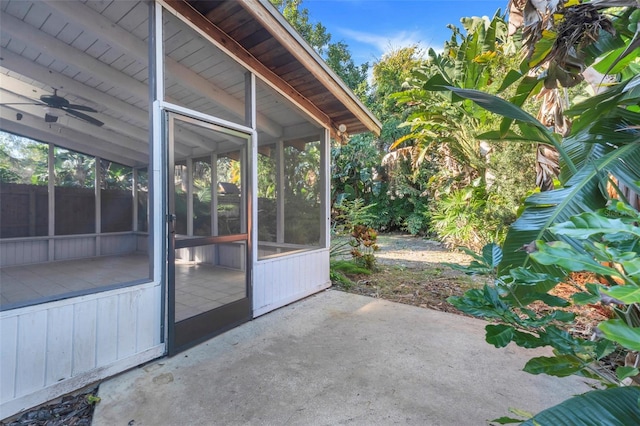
[[257, 34]]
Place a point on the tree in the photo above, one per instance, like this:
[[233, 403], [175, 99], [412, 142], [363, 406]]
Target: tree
[[442, 135], [580, 226], [469, 61], [562, 39]]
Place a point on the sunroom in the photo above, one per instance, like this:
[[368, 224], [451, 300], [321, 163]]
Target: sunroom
[[164, 176]]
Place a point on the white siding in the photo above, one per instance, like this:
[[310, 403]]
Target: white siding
[[53, 348], [20, 252], [283, 280], [26, 251], [117, 244], [74, 248]]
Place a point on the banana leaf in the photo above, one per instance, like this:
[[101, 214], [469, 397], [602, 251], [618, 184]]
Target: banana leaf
[[588, 162], [581, 193], [614, 406]]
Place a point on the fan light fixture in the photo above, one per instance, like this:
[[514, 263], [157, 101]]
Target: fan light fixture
[[52, 111]]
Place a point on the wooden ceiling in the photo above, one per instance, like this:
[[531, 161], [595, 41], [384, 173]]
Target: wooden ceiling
[[258, 28]]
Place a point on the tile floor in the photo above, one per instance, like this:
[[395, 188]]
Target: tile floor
[[199, 287]]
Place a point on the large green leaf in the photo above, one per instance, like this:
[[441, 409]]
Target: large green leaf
[[611, 407], [499, 335], [562, 254], [618, 331], [587, 224], [628, 294], [559, 366], [581, 193], [497, 105], [509, 110]]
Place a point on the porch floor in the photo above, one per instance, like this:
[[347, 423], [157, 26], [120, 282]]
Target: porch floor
[[336, 359], [199, 287]]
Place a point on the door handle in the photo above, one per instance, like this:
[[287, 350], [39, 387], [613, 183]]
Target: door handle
[[171, 219]]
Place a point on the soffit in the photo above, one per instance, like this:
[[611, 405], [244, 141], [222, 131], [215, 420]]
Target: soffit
[[260, 30]]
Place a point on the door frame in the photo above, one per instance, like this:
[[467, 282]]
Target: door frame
[[194, 330]]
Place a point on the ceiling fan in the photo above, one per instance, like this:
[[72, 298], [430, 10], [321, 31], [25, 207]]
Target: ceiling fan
[[55, 102]]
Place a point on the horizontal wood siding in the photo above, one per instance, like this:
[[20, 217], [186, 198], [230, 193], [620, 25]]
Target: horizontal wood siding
[[283, 280], [23, 252], [75, 342]]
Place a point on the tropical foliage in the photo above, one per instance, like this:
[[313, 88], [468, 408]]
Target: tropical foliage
[[570, 228]]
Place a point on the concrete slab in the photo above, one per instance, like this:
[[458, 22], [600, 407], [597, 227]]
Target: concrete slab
[[336, 358]]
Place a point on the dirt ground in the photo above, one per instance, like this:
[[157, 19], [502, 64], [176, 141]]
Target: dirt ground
[[413, 270]]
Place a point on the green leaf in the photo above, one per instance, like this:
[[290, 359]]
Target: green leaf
[[628, 294], [618, 331], [542, 48], [492, 254], [511, 77], [526, 276], [562, 254], [624, 372], [499, 335], [507, 136], [560, 366], [617, 60], [527, 340], [437, 83], [584, 298], [497, 105], [632, 269], [506, 420], [614, 406], [554, 301], [588, 224], [605, 347], [581, 192]]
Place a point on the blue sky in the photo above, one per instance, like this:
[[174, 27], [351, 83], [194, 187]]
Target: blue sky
[[373, 27]]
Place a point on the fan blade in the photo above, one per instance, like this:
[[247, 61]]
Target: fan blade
[[80, 108], [83, 116]]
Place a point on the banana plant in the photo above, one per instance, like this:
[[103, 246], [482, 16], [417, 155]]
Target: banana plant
[[604, 143], [566, 42], [469, 60]]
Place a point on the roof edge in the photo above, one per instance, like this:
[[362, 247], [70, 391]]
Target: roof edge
[[268, 15]]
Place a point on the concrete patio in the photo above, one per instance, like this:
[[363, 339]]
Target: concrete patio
[[336, 358]]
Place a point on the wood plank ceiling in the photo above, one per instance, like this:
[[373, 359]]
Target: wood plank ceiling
[[244, 21]]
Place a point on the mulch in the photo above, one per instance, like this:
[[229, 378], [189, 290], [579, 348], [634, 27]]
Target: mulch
[[70, 410]]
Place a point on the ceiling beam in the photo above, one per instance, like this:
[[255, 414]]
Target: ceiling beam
[[95, 23], [62, 51], [35, 128], [20, 65], [23, 66]]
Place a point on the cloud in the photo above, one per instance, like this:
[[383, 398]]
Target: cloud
[[384, 43]]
